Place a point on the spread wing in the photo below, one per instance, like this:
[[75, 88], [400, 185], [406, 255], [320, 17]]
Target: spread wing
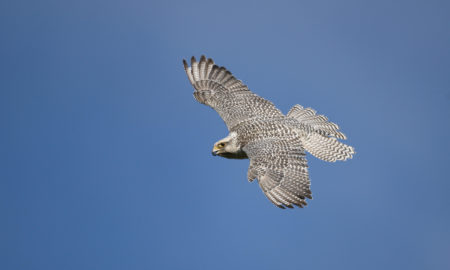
[[281, 169], [218, 88]]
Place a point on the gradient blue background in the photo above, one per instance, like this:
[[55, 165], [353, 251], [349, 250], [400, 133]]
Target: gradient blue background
[[105, 155]]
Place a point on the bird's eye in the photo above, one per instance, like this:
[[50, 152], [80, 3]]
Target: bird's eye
[[220, 145]]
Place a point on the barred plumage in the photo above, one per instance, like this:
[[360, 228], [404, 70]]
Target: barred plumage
[[273, 142]]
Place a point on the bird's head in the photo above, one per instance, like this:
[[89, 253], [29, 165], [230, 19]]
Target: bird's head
[[229, 147]]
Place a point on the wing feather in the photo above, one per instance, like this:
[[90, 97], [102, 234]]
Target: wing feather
[[188, 70], [195, 69], [218, 88], [281, 169], [203, 68]]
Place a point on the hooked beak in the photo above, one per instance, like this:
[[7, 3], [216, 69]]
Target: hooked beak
[[215, 151]]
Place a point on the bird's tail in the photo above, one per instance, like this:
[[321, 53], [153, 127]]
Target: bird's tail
[[321, 137]]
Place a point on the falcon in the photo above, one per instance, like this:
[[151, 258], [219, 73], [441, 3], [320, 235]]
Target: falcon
[[275, 143]]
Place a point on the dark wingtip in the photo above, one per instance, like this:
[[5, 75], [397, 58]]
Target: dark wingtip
[[203, 58], [210, 61], [185, 64], [193, 60], [299, 205]]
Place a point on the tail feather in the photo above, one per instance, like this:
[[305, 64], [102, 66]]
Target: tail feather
[[327, 148], [319, 123], [322, 141]]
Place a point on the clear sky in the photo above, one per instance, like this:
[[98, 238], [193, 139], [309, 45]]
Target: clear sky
[[105, 155]]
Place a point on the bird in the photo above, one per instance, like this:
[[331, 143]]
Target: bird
[[274, 143]]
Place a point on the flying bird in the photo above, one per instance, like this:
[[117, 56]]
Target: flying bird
[[275, 143]]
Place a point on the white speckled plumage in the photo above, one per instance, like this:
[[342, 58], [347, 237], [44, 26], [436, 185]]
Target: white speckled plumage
[[273, 142]]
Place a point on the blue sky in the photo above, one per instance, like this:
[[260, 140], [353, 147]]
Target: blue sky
[[105, 155]]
